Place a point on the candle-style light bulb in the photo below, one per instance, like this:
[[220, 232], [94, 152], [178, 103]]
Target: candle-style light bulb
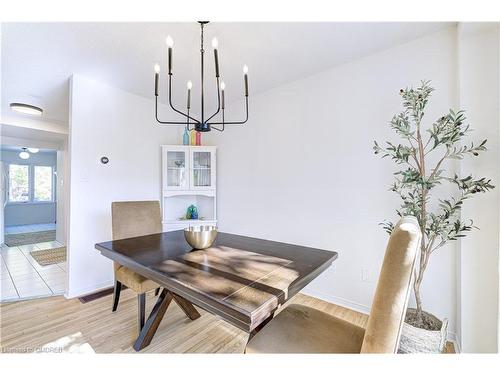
[[157, 75], [222, 86], [170, 44], [189, 85], [169, 41], [215, 43], [245, 69]]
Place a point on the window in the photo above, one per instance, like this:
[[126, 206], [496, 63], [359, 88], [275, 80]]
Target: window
[[19, 190], [43, 184], [31, 183]]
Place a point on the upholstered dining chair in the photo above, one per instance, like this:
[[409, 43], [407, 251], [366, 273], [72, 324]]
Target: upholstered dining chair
[[133, 219], [302, 329]]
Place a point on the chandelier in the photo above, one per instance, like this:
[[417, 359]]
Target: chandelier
[[204, 124]]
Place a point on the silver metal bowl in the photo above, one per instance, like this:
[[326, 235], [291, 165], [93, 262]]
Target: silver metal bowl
[[200, 236]]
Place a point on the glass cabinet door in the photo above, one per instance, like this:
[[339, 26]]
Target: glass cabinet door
[[177, 169], [202, 169]]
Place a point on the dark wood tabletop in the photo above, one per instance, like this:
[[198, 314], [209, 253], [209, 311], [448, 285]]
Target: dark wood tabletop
[[241, 279]]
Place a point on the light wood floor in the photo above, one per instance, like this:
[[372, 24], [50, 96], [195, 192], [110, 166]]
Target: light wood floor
[[69, 325]]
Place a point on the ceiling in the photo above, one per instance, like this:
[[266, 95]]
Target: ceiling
[[25, 132], [38, 58]]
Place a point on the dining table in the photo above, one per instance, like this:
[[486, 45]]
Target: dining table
[[241, 279]]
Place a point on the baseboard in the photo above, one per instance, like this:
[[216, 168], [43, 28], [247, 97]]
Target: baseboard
[[339, 301], [89, 289]]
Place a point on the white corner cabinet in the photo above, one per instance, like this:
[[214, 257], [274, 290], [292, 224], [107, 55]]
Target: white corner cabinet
[[188, 178]]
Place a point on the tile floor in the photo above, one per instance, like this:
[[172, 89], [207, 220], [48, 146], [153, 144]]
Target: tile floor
[[15, 229], [23, 278]]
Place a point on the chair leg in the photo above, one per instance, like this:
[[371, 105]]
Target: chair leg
[[141, 299], [157, 290], [116, 295]]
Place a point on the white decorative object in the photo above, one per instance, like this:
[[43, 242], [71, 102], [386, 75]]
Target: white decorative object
[[188, 178], [418, 340]]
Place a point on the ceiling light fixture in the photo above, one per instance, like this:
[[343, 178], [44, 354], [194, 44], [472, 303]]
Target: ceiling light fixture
[[24, 154], [33, 150], [26, 109], [204, 124]]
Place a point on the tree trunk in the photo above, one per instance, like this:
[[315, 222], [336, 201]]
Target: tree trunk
[[424, 258], [418, 280], [423, 219], [418, 299]]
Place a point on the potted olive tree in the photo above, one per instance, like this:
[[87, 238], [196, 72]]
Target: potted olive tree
[[439, 219]]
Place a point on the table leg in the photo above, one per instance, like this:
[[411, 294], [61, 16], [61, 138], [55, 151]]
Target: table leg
[[187, 307], [148, 331], [141, 304], [154, 319]]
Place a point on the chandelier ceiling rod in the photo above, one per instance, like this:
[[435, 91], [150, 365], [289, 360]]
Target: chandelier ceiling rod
[[203, 125]]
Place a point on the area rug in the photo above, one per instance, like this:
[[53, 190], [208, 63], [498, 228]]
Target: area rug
[[49, 256], [19, 239]]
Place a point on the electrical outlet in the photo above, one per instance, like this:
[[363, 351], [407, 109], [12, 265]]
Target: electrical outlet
[[365, 275]]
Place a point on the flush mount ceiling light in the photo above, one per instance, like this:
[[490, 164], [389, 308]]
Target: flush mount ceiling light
[[33, 150], [27, 109], [24, 154], [203, 124]]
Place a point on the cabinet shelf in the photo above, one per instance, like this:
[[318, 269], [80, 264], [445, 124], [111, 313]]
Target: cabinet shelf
[[188, 178], [192, 221], [174, 193]]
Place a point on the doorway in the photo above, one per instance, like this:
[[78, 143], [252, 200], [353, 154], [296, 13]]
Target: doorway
[[33, 262]]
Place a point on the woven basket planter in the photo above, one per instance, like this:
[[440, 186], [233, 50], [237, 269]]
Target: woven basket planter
[[419, 340]]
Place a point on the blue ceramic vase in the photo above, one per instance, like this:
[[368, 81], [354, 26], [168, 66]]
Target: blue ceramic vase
[[192, 213]]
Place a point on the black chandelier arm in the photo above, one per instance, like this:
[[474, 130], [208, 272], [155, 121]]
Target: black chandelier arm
[[170, 101], [223, 123], [234, 122], [218, 102], [166, 122], [202, 125]]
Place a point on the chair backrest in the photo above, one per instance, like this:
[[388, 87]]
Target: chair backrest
[[133, 219], [388, 310]]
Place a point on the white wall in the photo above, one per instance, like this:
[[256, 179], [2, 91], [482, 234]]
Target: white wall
[[30, 213], [40, 158], [105, 121], [62, 190], [28, 142], [479, 46], [3, 194], [302, 170]]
